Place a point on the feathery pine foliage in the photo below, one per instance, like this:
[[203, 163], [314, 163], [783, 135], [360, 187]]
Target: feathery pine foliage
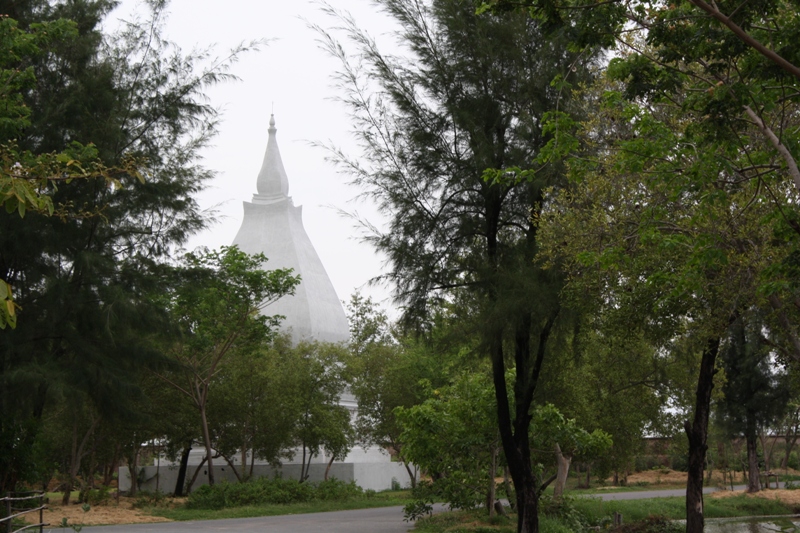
[[471, 95], [82, 280]]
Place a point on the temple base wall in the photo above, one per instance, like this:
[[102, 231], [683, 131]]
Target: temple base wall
[[374, 476]]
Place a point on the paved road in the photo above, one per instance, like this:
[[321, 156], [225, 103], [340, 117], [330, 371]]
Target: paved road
[[381, 520]]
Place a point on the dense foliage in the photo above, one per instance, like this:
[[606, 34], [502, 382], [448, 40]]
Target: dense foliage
[[592, 229], [271, 491]]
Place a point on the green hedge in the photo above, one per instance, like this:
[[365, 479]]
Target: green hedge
[[271, 491]]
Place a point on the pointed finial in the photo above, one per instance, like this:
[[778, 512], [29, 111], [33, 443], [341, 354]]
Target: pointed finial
[[272, 182]]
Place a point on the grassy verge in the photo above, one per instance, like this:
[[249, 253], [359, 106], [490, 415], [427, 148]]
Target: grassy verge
[[381, 499], [595, 512], [675, 508], [626, 488], [476, 521], [56, 496]]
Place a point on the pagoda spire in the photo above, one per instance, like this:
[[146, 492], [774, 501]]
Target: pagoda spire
[[272, 184]]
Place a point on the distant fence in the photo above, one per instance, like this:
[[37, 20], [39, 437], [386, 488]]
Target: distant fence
[[19, 505]]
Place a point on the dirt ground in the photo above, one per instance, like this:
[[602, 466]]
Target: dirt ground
[[671, 477], [108, 514], [791, 497]]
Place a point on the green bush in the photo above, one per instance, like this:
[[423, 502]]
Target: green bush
[[99, 496], [270, 491], [563, 510], [553, 525], [651, 524], [793, 462], [334, 489], [149, 499]]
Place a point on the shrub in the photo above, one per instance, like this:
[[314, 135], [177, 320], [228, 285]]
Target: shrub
[[334, 489], [651, 524], [91, 496], [270, 491], [646, 462], [793, 461], [563, 510], [149, 499]]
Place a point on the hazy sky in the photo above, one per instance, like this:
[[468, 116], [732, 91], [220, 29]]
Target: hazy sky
[[293, 74]]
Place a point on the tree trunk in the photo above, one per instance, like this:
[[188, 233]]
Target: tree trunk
[[697, 433], [233, 467], [76, 456], [303, 465], [528, 507], [111, 468], [133, 466], [328, 468], [207, 443], [491, 492], [563, 463], [179, 484], [196, 473], [516, 444], [512, 499], [753, 476], [788, 446], [412, 474]]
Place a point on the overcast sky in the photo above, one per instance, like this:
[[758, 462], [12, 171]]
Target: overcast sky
[[292, 74]]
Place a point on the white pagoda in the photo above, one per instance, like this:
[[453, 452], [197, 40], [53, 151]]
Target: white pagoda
[[273, 225]]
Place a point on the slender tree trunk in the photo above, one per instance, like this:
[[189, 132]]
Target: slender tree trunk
[[207, 442], [303, 465], [769, 450], [753, 476], [515, 446], [328, 468], [233, 467], [512, 500], [491, 492], [412, 474], [697, 433], [563, 463], [72, 457], [788, 446], [133, 466], [179, 484], [76, 456], [108, 471], [196, 473]]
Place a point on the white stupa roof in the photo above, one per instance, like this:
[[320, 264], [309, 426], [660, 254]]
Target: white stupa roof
[[273, 225]]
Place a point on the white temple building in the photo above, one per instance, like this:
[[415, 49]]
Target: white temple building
[[273, 225]]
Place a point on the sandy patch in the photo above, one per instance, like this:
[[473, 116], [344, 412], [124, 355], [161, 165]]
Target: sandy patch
[[113, 513], [791, 497]]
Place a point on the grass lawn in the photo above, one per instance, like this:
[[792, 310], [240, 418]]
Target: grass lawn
[[595, 512], [56, 496], [381, 499], [675, 508]]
